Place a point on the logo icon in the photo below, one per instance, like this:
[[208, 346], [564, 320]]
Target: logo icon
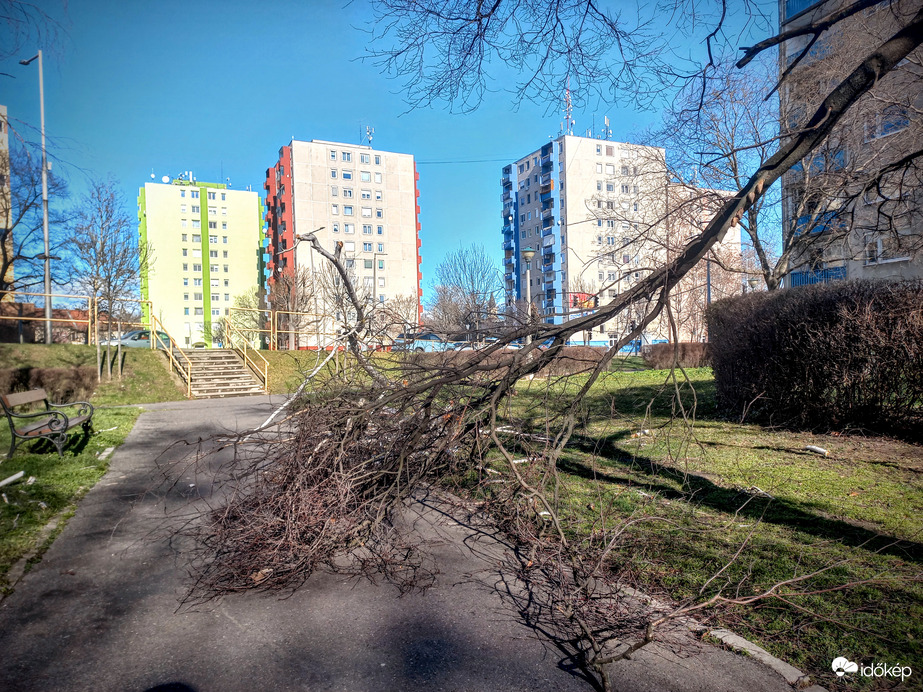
[[842, 665]]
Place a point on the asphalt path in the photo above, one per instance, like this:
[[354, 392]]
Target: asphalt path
[[102, 610]]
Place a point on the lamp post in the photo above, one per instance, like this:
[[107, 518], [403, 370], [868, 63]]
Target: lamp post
[[527, 256], [752, 282], [47, 254]]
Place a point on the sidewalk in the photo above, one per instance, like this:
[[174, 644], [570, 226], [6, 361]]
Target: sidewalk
[[100, 610]]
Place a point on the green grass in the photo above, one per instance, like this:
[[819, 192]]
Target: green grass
[[146, 377], [25, 508], [857, 511]]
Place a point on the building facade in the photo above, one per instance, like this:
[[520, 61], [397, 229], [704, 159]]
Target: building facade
[[845, 219], [352, 194], [206, 247], [598, 216]]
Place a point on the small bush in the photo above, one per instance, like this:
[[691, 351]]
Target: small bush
[[688, 354], [61, 384], [847, 354]]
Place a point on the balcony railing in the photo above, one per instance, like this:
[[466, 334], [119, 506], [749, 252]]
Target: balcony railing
[[508, 245], [821, 276]]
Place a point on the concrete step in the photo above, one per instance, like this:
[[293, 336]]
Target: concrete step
[[220, 373]]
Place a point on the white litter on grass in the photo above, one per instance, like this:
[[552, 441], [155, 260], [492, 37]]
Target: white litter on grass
[[12, 479], [3, 495], [106, 430], [520, 461], [489, 470], [30, 480], [642, 493], [817, 450], [545, 515]]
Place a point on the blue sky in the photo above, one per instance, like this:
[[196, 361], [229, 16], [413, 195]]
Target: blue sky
[[217, 88]]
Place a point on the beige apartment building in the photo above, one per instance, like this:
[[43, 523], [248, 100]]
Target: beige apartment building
[[205, 243], [850, 222], [352, 194], [584, 219]]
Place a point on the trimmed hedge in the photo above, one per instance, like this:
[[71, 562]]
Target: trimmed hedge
[[688, 354], [829, 356]]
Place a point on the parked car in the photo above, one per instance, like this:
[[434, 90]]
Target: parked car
[[425, 341], [139, 338]]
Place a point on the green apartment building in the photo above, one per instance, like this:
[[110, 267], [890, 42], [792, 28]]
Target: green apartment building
[[207, 248]]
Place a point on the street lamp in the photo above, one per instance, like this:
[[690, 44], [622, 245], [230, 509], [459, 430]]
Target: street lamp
[[752, 282], [47, 254], [527, 256]]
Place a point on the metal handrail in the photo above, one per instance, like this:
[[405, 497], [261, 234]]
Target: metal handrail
[[230, 332], [185, 373]]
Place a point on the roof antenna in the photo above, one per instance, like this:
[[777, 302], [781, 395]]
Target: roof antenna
[[369, 131]]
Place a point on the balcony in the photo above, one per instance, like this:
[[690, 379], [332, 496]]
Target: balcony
[[793, 7], [507, 197], [549, 231], [547, 223], [548, 240], [546, 160], [508, 245], [821, 276], [545, 179], [547, 213]]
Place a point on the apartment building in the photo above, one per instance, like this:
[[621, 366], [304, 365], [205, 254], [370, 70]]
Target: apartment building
[[206, 241], [846, 220], [352, 194], [585, 219]]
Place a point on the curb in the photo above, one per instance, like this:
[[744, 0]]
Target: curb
[[793, 676]]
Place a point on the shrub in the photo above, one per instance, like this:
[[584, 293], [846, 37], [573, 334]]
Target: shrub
[[61, 384], [847, 354], [688, 354]]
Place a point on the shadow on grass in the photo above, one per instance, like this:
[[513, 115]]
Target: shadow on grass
[[703, 492]]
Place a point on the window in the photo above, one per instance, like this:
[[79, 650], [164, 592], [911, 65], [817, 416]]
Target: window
[[347, 156], [381, 230], [213, 254], [364, 158], [185, 311], [333, 154], [367, 264], [216, 297], [378, 177], [197, 281], [599, 168], [215, 283], [333, 173], [199, 311], [884, 247], [599, 185], [224, 239], [381, 264], [185, 267], [335, 209], [182, 193], [216, 312], [891, 120], [349, 228], [347, 175], [214, 268], [367, 281], [367, 212], [223, 197], [185, 281], [347, 192], [381, 247], [224, 225], [366, 247], [379, 213], [185, 296], [350, 263], [224, 254], [196, 223], [365, 176], [195, 209], [367, 194], [610, 240], [196, 252], [194, 194], [610, 187], [626, 189], [182, 208], [225, 269], [185, 252], [212, 195], [610, 151], [196, 238], [377, 160], [197, 268], [599, 149], [610, 169], [212, 240], [183, 223], [333, 191], [347, 210], [336, 228], [366, 229], [226, 283], [197, 296], [349, 246], [625, 170]]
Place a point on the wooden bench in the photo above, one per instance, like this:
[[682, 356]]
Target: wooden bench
[[49, 424]]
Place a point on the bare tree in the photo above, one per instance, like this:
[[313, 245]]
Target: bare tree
[[467, 288], [21, 244], [106, 259]]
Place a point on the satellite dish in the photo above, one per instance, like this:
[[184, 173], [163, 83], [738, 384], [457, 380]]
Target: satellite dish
[[166, 179], [153, 177]]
